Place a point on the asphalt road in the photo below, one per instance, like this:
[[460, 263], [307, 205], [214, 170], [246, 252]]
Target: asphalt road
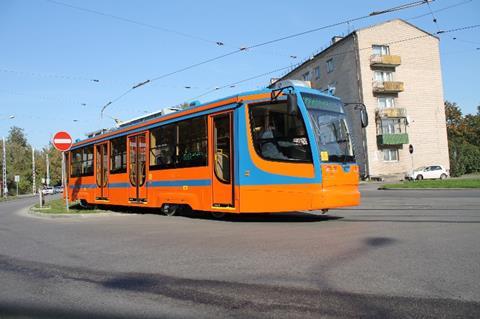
[[400, 254]]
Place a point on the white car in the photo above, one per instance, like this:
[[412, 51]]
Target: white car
[[48, 190], [429, 172]]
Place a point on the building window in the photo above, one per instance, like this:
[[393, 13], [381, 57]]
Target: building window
[[82, 162], [390, 155], [316, 72], [178, 145], [386, 102], [330, 65], [382, 76], [306, 76], [391, 126], [118, 155], [381, 49]]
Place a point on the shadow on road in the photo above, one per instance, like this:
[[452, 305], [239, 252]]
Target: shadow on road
[[288, 217], [291, 217], [388, 220], [229, 298]]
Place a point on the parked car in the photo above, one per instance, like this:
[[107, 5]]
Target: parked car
[[48, 190], [428, 172], [58, 189]]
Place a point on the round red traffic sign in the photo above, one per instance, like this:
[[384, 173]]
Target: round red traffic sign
[[62, 141]]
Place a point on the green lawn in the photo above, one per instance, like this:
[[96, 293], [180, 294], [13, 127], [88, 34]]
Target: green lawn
[[57, 206], [446, 183], [2, 199]]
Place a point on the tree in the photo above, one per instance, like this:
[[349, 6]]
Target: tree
[[454, 118], [463, 139], [19, 161]]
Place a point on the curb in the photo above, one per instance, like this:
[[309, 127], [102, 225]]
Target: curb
[[35, 213], [424, 189]]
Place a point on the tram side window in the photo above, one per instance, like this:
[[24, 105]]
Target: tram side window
[[178, 145], [82, 162], [87, 161], [163, 142], [278, 135], [118, 156], [192, 142], [76, 163]]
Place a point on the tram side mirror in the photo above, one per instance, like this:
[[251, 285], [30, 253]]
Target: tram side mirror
[[292, 104], [363, 116]]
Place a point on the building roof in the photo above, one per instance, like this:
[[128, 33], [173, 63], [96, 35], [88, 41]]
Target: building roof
[[333, 45]]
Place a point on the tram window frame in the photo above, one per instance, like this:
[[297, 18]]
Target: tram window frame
[[297, 141], [118, 147], [84, 162], [178, 138], [166, 150], [192, 143]]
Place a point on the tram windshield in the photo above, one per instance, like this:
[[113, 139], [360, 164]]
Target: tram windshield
[[328, 120]]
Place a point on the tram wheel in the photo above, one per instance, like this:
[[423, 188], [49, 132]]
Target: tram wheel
[[170, 210], [83, 203], [86, 205], [217, 215]]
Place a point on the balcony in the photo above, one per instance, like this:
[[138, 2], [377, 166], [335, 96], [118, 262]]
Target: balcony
[[395, 112], [385, 60], [392, 139], [387, 87]]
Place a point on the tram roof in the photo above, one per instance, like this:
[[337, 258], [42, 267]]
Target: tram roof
[[107, 134]]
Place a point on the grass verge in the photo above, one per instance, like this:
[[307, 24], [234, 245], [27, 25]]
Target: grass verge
[[446, 183], [3, 199], [57, 206]]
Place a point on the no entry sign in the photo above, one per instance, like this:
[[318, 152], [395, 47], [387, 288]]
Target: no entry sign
[[62, 141]]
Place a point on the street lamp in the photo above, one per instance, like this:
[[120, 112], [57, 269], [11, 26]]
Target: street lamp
[[4, 167]]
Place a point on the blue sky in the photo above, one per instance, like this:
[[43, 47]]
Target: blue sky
[[50, 53]]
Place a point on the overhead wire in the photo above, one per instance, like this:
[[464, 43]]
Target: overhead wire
[[160, 28], [333, 55], [239, 82], [434, 18], [440, 10], [131, 21], [50, 75], [46, 98], [257, 45]]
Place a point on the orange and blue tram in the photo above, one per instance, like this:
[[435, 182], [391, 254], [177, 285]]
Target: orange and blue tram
[[272, 150]]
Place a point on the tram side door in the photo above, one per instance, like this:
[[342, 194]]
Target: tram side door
[[222, 154], [137, 168], [101, 171]]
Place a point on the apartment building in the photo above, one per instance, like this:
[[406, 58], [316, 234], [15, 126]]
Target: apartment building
[[393, 68]]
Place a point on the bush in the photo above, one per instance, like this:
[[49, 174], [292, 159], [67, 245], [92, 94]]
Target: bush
[[464, 159]]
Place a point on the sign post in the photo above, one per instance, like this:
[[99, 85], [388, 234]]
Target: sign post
[[63, 142], [410, 150], [17, 179]]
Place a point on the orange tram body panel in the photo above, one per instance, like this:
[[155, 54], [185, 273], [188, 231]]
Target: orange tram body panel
[[265, 151]]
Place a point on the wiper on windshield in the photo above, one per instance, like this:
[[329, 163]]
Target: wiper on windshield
[[346, 147]]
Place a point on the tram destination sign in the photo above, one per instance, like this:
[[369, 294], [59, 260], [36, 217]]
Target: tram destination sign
[[62, 141]]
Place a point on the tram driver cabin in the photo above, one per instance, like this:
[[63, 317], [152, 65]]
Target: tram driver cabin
[[274, 150]]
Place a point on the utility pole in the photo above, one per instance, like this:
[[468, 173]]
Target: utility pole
[[34, 186], [63, 170], [48, 172], [4, 171]]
